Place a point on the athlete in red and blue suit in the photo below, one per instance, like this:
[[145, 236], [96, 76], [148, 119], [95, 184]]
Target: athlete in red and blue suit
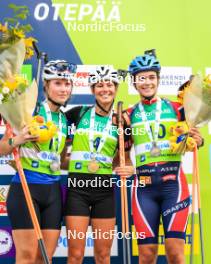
[[161, 189]]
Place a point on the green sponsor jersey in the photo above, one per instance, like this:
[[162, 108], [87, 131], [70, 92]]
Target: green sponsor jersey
[[141, 138], [40, 161], [81, 154]]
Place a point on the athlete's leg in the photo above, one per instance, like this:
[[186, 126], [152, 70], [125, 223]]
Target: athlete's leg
[[77, 211], [104, 230], [26, 246], [146, 215], [103, 223], [76, 237], [50, 220], [175, 250], [48, 206], [175, 207], [24, 237], [50, 238], [148, 253]]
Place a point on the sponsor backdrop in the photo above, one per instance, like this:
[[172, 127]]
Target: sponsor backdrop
[[89, 32]]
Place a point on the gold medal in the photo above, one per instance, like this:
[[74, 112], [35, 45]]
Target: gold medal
[[93, 166], [155, 150]]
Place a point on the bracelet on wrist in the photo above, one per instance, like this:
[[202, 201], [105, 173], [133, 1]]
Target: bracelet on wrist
[[11, 142]]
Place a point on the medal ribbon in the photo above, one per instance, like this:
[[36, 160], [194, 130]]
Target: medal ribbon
[[157, 120], [92, 129], [59, 133]]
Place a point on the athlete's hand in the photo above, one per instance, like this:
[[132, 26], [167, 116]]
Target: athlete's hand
[[125, 171], [23, 137], [195, 134]]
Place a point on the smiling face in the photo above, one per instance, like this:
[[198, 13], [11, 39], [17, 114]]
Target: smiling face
[[59, 90], [146, 83], [104, 92]]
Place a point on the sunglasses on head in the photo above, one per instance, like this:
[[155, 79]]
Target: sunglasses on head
[[65, 66]]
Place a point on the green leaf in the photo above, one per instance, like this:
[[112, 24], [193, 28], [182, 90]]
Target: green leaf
[[16, 8], [22, 87], [13, 6], [10, 20], [25, 11], [26, 28], [21, 16]]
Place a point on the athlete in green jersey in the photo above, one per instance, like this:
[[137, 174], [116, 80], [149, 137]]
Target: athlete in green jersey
[[42, 170], [90, 185]]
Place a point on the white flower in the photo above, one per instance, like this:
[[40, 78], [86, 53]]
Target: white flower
[[5, 90], [1, 97]]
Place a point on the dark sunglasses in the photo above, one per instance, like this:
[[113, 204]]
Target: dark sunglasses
[[65, 66]]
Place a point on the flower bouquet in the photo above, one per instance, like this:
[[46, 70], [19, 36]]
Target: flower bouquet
[[17, 97], [197, 101]]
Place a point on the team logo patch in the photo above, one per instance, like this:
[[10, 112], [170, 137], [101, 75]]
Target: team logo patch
[[86, 156], [78, 165], [85, 122], [145, 180], [35, 164], [97, 143], [169, 177], [142, 158]]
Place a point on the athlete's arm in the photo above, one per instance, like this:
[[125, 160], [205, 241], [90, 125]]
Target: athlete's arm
[[123, 171], [7, 144], [195, 134]]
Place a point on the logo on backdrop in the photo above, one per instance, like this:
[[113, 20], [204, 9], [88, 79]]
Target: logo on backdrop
[[5, 242], [100, 15], [170, 80], [3, 195]]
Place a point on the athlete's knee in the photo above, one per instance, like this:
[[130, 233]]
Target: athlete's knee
[[148, 255], [175, 257], [75, 255], [25, 256], [102, 255], [175, 251]]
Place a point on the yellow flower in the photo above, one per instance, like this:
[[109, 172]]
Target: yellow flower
[[3, 28], [14, 82], [29, 53], [11, 84], [19, 33], [208, 79], [29, 41], [20, 80]]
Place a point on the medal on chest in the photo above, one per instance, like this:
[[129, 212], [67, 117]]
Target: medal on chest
[[155, 151], [93, 166]]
